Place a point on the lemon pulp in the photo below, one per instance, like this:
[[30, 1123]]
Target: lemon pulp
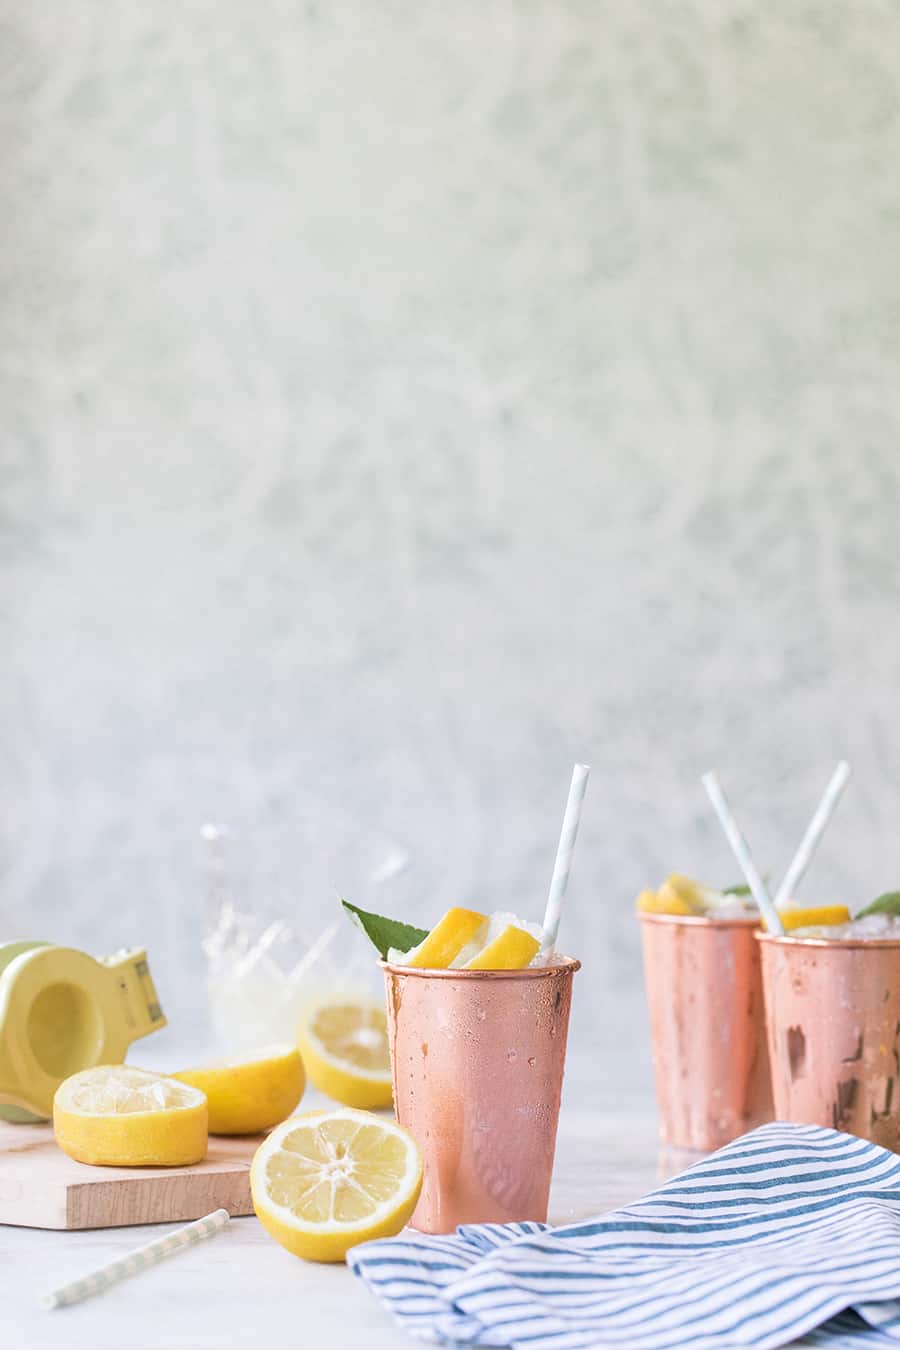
[[345, 1049], [323, 1182]]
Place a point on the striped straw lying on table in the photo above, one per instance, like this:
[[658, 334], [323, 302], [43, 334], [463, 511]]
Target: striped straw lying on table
[[790, 1234]]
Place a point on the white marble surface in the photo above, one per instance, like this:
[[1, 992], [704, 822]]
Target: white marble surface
[[241, 1289]]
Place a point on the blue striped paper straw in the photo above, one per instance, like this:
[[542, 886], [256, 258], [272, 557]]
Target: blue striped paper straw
[[563, 864], [741, 851], [142, 1258], [814, 831]]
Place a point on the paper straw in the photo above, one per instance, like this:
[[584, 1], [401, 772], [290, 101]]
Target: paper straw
[[741, 851], [814, 831], [563, 864], [140, 1259]]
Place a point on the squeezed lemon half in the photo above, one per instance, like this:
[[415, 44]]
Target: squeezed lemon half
[[323, 1182], [252, 1094], [345, 1049], [117, 1116]]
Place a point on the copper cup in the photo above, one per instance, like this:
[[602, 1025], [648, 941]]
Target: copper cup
[[477, 1059], [704, 994], [833, 1019]]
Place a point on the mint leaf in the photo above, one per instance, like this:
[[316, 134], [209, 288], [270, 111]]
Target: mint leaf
[[742, 889], [889, 903], [385, 933]]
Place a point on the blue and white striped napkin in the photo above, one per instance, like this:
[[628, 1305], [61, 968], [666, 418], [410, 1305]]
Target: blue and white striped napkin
[[789, 1232]]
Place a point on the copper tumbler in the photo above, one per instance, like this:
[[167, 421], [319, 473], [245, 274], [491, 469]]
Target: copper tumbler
[[833, 1019], [704, 994], [477, 1059]]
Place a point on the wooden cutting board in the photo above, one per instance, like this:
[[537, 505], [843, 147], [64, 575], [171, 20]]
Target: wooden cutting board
[[40, 1187]]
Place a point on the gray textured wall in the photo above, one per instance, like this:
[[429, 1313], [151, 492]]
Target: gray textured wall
[[400, 401]]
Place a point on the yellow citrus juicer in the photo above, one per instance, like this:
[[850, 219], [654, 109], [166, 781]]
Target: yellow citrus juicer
[[62, 1010]]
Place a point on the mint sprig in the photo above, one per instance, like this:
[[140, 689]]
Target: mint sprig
[[889, 903], [385, 933]]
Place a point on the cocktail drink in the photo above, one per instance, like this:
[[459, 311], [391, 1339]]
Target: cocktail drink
[[832, 1000], [477, 1022], [477, 1018], [704, 998]]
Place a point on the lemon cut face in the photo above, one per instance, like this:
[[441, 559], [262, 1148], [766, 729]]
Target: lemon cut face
[[345, 1049], [249, 1095], [117, 1116], [323, 1182]]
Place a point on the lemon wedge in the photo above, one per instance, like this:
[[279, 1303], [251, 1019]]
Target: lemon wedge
[[815, 916], [457, 929], [345, 1050], [511, 949], [680, 889], [117, 1116], [248, 1095], [678, 895], [323, 1182], [658, 902]]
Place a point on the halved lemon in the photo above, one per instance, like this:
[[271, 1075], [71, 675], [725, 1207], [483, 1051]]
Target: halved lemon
[[323, 1182], [345, 1049], [252, 1094], [116, 1116]]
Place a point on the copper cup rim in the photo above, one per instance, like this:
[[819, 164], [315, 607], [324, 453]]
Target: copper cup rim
[[567, 965], [701, 920], [832, 944]]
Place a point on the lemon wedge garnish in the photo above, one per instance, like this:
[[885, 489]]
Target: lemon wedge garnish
[[678, 895], [345, 1049], [511, 949], [323, 1182], [122, 1117], [822, 916], [457, 929], [248, 1095]]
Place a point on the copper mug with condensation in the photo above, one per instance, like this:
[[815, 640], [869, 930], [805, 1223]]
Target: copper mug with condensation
[[704, 996], [477, 1059], [833, 1019]]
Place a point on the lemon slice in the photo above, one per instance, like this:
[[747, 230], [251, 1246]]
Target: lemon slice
[[816, 916], [457, 929], [122, 1117], [511, 949], [345, 1050], [323, 1182], [248, 1095]]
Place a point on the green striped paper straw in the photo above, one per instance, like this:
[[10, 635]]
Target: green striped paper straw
[[563, 864], [741, 851], [142, 1258]]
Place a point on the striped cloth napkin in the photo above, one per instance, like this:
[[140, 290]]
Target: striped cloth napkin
[[789, 1232]]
